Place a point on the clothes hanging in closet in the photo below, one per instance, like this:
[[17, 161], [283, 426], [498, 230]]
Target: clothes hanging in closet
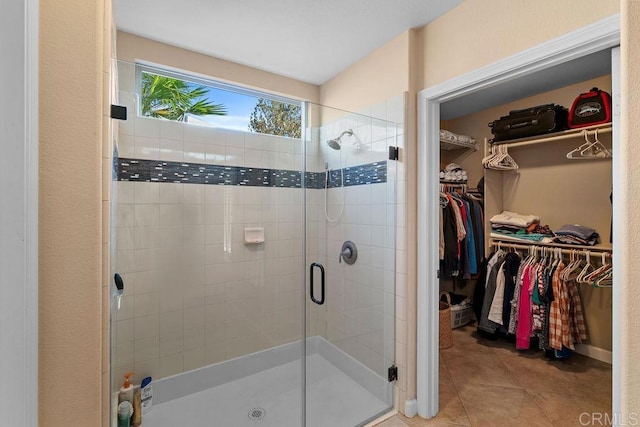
[[532, 298], [461, 235], [484, 324]]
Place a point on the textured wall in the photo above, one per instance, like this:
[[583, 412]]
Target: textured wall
[[480, 32], [630, 371], [379, 76], [72, 78]]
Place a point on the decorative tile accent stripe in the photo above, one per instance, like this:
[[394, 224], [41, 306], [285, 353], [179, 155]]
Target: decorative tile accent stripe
[[370, 173], [198, 173]]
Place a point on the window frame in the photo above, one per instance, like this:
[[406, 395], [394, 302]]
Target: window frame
[[199, 79]]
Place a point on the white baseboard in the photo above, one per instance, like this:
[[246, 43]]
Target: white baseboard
[[594, 353], [411, 408]]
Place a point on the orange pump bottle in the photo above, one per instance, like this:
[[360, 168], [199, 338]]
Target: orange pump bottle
[[126, 391]]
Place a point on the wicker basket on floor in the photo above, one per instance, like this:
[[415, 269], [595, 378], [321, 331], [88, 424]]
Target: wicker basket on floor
[[446, 338]]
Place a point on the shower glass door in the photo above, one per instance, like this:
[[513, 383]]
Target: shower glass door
[[238, 298], [350, 223]]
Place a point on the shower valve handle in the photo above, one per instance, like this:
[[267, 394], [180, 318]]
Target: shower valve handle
[[346, 253]]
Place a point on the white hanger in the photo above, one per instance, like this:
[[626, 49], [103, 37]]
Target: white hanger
[[590, 149], [596, 148], [599, 272], [605, 280], [507, 162], [494, 162], [485, 161], [586, 269], [499, 159], [573, 265]]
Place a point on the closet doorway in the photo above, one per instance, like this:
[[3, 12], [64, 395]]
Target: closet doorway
[[524, 70]]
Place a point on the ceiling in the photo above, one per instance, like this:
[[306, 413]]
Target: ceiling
[[578, 70], [308, 40]]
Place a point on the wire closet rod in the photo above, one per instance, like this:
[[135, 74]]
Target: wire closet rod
[[565, 251]]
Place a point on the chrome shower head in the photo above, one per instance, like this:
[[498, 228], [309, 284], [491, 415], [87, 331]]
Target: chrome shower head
[[335, 143]]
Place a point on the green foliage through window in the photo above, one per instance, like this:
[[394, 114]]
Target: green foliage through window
[[175, 99], [276, 118], [180, 97]]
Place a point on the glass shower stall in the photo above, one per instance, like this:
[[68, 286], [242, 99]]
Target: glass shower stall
[[258, 271]]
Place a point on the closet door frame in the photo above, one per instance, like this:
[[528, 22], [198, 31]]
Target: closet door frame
[[601, 35]]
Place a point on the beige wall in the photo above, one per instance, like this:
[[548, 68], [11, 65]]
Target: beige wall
[[629, 370], [132, 48], [380, 75], [72, 74], [480, 32]]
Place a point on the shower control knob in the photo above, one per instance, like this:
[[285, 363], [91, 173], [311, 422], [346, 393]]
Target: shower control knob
[[348, 253]]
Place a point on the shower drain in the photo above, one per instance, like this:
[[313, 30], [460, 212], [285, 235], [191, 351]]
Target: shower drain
[[257, 414]]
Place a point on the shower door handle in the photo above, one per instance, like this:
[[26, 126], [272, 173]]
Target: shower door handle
[[311, 287]]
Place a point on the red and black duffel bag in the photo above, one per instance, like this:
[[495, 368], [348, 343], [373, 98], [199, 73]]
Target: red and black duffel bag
[[591, 108]]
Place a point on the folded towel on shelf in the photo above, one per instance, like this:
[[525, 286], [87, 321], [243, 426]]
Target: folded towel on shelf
[[522, 237], [573, 240], [515, 219], [454, 137], [576, 230], [573, 234]]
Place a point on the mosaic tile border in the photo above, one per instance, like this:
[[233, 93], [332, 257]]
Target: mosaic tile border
[[198, 173]]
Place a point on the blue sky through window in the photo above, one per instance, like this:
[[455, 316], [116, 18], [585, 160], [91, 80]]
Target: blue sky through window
[[239, 104], [239, 108]]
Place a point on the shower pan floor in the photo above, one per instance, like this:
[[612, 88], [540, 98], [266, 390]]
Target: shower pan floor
[[272, 398]]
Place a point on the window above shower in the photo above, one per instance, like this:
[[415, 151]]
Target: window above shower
[[178, 96]]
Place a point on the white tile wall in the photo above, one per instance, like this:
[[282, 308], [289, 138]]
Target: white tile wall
[[189, 278], [195, 294], [363, 312]]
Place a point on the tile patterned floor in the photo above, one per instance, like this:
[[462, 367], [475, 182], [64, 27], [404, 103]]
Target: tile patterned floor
[[490, 383]]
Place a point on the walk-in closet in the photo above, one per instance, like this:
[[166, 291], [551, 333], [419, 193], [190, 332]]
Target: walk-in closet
[[509, 209]]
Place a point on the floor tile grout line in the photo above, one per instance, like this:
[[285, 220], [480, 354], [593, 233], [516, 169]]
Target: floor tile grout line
[[466, 412], [533, 398], [511, 374], [507, 370], [507, 356], [585, 394]]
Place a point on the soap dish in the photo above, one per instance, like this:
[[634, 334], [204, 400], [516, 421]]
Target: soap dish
[[254, 235]]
